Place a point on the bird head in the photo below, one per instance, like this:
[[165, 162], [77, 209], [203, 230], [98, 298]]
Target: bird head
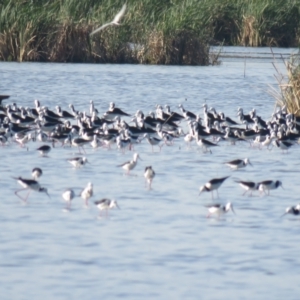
[[247, 161], [114, 204]]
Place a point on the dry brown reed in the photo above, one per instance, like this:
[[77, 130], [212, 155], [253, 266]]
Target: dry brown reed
[[289, 86]]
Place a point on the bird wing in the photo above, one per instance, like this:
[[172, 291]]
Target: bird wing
[[213, 205], [249, 184], [100, 28], [234, 162], [218, 180], [267, 182], [74, 159], [100, 201], [120, 14]]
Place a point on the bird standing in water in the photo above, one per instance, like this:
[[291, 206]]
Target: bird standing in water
[[31, 185], [219, 209], [129, 165], [106, 204], [212, 185], [149, 175], [68, 195], [87, 193]]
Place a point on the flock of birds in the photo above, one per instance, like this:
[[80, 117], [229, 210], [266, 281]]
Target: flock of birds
[[79, 129]]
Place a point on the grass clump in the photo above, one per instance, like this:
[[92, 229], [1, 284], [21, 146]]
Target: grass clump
[[289, 86]]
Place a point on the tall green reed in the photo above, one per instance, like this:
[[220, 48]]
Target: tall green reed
[[152, 31]]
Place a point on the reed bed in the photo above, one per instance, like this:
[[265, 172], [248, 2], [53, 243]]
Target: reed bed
[[152, 31], [289, 86]]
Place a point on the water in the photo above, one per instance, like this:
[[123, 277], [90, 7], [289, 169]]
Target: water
[[160, 244]]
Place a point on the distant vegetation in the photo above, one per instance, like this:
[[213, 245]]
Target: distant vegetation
[[152, 31]]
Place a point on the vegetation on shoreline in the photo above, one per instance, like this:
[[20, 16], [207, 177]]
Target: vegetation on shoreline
[[176, 32], [289, 86]]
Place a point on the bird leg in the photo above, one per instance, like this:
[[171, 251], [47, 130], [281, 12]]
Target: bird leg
[[17, 194], [27, 196]]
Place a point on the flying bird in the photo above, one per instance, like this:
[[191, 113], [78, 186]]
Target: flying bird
[[115, 21]]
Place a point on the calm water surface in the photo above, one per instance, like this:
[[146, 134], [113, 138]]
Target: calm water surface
[[160, 245]]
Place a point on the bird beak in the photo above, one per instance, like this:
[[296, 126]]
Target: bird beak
[[250, 164], [117, 206], [233, 210], [48, 195], [140, 158], [282, 187], [283, 215], [199, 193]]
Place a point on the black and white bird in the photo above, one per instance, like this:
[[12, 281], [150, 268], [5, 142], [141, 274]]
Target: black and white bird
[[293, 210], [267, 185], [205, 144], [219, 209], [187, 114], [68, 196], [226, 120], [44, 150], [79, 142], [114, 111], [129, 165], [149, 174], [106, 204], [248, 186], [238, 163], [153, 141], [174, 116], [31, 185], [87, 193], [212, 185], [283, 145], [78, 161], [63, 113]]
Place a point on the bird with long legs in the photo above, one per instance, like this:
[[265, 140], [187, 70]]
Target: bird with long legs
[[31, 185], [106, 204], [149, 174], [212, 185], [129, 165]]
